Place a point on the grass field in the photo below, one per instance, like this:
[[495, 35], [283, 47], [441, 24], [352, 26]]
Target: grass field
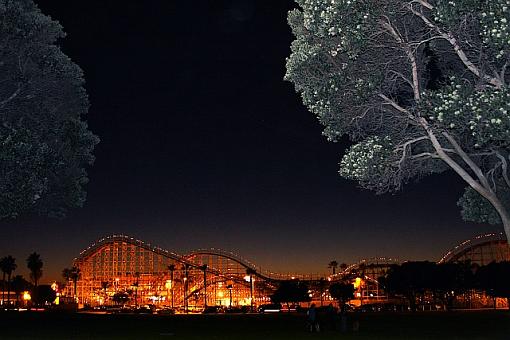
[[433, 325]]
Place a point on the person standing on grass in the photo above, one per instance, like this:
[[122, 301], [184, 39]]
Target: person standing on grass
[[313, 325]]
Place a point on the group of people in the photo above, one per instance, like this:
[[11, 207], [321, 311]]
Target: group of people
[[329, 318]]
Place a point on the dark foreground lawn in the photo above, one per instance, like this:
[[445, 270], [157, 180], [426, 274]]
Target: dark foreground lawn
[[433, 325]]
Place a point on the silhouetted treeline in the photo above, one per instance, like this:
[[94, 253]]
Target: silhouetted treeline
[[442, 283], [38, 294]]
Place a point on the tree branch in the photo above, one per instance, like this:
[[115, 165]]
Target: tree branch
[[504, 167], [11, 97], [409, 53], [391, 102], [425, 154], [457, 48], [489, 195], [407, 145], [472, 165]]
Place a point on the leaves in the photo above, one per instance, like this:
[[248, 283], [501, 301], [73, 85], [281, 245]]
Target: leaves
[[45, 143], [418, 87]]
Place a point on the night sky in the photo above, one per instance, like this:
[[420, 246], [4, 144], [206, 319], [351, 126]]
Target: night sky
[[204, 145]]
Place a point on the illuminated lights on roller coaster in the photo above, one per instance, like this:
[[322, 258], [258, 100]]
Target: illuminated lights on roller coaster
[[475, 240]]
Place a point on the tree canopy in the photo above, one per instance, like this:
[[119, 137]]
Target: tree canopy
[[342, 292], [419, 86], [45, 143], [291, 291]]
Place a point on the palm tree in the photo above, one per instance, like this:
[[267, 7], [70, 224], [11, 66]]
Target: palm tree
[[72, 274], [2, 266], [186, 270], [35, 264], [343, 266], [104, 287], [333, 265], [251, 272], [137, 275], [171, 268], [7, 265]]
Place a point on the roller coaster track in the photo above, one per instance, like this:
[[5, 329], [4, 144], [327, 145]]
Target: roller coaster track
[[188, 259], [477, 240]]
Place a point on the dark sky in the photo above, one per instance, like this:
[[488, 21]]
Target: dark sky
[[204, 145]]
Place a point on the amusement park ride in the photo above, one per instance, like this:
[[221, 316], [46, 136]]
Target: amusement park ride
[[147, 274]]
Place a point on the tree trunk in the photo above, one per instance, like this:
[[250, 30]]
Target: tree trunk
[[3, 290], [477, 185], [8, 288], [172, 288], [504, 215]]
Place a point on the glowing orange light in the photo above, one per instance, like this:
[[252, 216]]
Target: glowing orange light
[[26, 296]]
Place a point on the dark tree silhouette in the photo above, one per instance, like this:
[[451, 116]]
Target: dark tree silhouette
[[203, 268], [19, 285], [251, 272], [291, 291], [333, 265], [7, 265], [494, 279], [72, 274], [343, 266], [450, 280], [172, 268], [410, 280], [120, 297], [186, 268], [46, 144], [342, 292], [104, 287], [35, 264], [44, 295]]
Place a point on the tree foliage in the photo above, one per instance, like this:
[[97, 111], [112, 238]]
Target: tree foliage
[[45, 144], [43, 295], [291, 291], [419, 87], [494, 279], [35, 264], [342, 292], [416, 278], [120, 297]]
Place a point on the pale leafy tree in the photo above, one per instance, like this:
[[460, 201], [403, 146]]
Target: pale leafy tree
[[419, 86], [45, 144]]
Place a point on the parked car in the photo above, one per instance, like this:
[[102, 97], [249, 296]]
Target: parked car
[[165, 311], [270, 308], [214, 310], [233, 310]]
